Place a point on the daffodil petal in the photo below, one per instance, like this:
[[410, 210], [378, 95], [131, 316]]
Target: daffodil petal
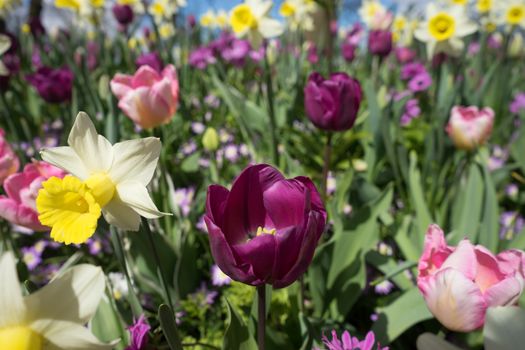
[[135, 160], [12, 309], [135, 195], [65, 158], [93, 149], [270, 28], [73, 297], [63, 335], [119, 214]]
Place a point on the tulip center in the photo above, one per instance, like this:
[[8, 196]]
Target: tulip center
[[69, 207], [102, 188], [516, 14], [242, 19], [442, 26], [20, 338], [265, 231]]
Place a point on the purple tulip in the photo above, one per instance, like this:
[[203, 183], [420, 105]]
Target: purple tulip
[[151, 59], [380, 42], [139, 334], [332, 104], [53, 85], [123, 14], [266, 228], [348, 50]]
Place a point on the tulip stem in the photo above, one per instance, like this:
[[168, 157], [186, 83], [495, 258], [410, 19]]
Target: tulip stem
[[146, 228], [261, 319], [326, 164], [271, 110]]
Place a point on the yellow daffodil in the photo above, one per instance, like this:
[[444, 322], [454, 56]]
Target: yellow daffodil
[[84, 8], [104, 179], [251, 19], [511, 13], [299, 13], [444, 29], [458, 2], [5, 44], [165, 9], [484, 6], [54, 317], [207, 19]]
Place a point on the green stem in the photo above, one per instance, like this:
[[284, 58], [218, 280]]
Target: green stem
[[146, 228], [271, 110], [261, 318], [326, 164]]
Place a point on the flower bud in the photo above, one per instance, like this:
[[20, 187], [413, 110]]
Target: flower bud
[[210, 140], [470, 127]]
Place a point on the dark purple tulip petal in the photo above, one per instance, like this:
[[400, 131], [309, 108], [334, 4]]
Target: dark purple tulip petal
[[286, 203], [216, 202], [259, 252]]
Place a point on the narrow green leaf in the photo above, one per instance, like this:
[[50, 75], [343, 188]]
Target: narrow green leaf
[[169, 327], [423, 217], [237, 335], [489, 230]]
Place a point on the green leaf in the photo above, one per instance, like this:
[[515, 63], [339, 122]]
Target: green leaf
[[409, 239], [191, 164], [504, 328], [517, 147], [237, 335], [423, 217], [169, 327], [488, 232], [107, 326], [406, 311], [429, 341]]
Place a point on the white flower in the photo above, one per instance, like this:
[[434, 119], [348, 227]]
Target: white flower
[[5, 44], [52, 318], [107, 178], [375, 15], [251, 19], [299, 13], [444, 29], [511, 12]]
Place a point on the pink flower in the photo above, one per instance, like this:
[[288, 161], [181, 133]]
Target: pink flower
[[9, 162], [460, 283], [149, 98], [348, 342], [470, 127], [19, 205]]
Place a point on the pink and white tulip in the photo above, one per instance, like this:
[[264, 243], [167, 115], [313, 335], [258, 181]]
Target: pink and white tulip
[[149, 98], [19, 206], [460, 283], [9, 162], [470, 127]]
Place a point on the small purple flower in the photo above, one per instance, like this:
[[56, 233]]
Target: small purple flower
[[405, 54], [201, 57], [219, 278], [331, 183], [31, 257], [197, 128], [412, 69], [151, 59], [201, 225], [212, 101], [183, 199], [53, 85], [139, 334], [94, 246], [498, 158], [518, 104], [348, 342], [189, 147], [204, 296], [412, 110], [420, 82], [384, 288], [231, 153], [236, 52], [312, 55], [511, 190]]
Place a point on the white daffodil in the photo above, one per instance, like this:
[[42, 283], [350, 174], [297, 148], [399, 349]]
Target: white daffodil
[[54, 317], [299, 13], [511, 13], [375, 15], [165, 9], [5, 44], [444, 29], [251, 19], [107, 178]]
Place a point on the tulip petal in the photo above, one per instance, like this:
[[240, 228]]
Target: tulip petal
[[454, 300], [512, 261], [119, 214], [135, 195], [11, 302], [63, 335], [463, 259], [65, 158], [15, 182], [145, 76], [94, 150], [135, 160], [8, 209], [506, 292], [259, 253], [435, 251], [216, 202], [73, 297], [121, 85], [488, 271], [286, 202]]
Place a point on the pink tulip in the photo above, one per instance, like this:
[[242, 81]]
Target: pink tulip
[[470, 127], [19, 205], [149, 98], [460, 283], [9, 162]]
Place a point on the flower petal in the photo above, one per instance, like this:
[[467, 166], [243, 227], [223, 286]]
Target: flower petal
[[505, 292], [119, 214], [94, 150], [65, 158], [11, 302], [72, 297], [63, 335], [136, 196], [135, 160], [463, 259]]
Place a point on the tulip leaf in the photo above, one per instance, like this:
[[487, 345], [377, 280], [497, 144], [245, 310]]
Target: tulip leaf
[[237, 335], [429, 341], [407, 310], [107, 325], [169, 327], [423, 217], [517, 147], [488, 232], [504, 328]]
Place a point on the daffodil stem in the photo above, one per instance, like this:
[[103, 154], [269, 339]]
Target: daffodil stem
[[146, 228], [326, 164], [271, 110], [261, 318]]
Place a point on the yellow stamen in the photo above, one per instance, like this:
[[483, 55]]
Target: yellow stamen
[[242, 19], [20, 338], [442, 26], [265, 231], [69, 207]]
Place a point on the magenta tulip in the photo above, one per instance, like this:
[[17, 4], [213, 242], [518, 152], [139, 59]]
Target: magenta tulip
[[380, 42], [149, 98], [460, 283], [266, 228], [332, 104]]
